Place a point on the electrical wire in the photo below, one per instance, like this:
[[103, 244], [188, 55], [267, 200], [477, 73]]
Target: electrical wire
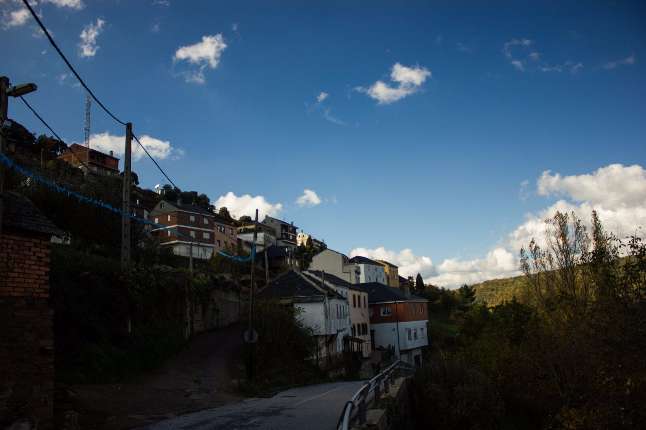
[[37, 115], [154, 161], [82, 82], [60, 53]]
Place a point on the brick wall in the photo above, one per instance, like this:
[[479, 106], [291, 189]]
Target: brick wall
[[26, 332]]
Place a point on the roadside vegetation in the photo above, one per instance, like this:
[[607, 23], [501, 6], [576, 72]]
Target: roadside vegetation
[[569, 354]]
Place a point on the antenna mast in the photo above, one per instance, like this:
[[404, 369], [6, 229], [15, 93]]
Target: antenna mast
[[88, 105]]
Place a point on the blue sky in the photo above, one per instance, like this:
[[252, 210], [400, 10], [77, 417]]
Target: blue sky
[[490, 97]]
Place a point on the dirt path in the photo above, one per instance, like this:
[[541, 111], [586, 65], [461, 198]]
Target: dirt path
[[199, 377]]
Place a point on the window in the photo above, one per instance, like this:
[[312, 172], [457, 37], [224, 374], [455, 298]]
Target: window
[[409, 334], [386, 311], [161, 205], [168, 217], [206, 235], [219, 244], [156, 220], [192, 218], [354, 301], [365, 301], [206, 221], [168, 233], [415, 334], [192, 233]]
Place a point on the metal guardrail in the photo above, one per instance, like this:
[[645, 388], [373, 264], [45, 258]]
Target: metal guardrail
[[357, 407]]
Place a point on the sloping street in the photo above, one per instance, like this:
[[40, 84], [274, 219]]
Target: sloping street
[[315, 407]]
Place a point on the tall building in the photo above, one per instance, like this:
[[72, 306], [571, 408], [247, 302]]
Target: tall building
[[369, 270], [184, 227]]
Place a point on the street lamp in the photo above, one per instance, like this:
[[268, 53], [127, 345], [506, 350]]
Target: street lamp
[[5, 92]]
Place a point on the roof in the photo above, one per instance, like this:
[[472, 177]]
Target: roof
[[76, 146], [170, 207], [333, 279], [386, 263], [364, 260], [19, 213], [293, 284], [380, 293]]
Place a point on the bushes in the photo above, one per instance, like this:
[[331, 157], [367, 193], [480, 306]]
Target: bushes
[[571, 357], [109, 324]]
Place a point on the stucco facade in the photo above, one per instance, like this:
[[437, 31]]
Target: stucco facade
[[337, 264]]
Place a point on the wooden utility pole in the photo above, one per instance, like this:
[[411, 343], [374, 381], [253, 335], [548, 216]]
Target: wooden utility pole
[[266, 265], [125, 218], [250, 336], [4, 105]]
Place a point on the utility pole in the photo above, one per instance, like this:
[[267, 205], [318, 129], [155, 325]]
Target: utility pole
[[125, 217], [251, 337], [266, 265], [4, 105]]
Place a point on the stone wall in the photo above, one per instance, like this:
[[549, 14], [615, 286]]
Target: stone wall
[[26, 334]]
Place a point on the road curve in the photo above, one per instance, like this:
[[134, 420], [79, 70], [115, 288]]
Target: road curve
[[314, 407]]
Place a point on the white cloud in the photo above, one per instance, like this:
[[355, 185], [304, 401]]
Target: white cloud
[[308, 199], [158, 149], [247, 205], [628, 61], [322, 96], [463, 48], [163, 3], [409, 264], [522, 57], [203, 54], [72, 4], [616, 192], [408, 79], [89, 35], [15, 18]]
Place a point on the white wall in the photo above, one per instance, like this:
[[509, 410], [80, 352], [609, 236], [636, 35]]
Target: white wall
[[386, 335], [372, 273], [331, 262]]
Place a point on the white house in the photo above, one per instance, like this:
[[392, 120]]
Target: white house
[[322, 309], [357, 298], [370, 270]]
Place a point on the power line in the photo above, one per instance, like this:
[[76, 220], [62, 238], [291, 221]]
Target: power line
[[154, 161], [37, 115], [82, 82], [49, 37]]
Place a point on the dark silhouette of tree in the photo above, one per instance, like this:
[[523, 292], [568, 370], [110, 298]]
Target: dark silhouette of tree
[[419, 283]]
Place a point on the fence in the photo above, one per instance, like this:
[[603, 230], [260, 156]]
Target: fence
[[356, 409]]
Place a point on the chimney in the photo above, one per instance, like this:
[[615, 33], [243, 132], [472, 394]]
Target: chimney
[[111, 153]]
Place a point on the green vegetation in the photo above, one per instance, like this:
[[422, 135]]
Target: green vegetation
[[569, 354], [498, 291]]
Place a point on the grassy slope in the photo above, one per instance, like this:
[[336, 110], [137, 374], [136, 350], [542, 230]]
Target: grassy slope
[[497, 291]]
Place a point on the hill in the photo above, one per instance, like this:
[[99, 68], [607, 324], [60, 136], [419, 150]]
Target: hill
[[497, 291]]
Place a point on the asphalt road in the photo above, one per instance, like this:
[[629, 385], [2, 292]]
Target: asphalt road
[[315, 407]]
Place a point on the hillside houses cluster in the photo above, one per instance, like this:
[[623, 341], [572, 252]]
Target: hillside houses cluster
[[350, 304]]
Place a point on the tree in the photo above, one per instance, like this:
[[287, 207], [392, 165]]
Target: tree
[[419, 283], [467, 295], [224, 213]]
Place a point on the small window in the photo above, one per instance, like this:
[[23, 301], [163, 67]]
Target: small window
[[168, 217], [386, 311], [192, 233], [206, 235], [161, 205], [192, 218], [219, 244], [168, 233], [354, 301], [206, 221], [365, 301], [415, 334], [156, 220], [409, 334]]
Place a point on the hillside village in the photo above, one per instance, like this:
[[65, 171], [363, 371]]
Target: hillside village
[[359, 313]]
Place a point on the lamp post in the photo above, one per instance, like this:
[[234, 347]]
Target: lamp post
[[6, 91]]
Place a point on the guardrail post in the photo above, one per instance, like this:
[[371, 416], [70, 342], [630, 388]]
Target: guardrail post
[[363, 411], [377, 392]]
